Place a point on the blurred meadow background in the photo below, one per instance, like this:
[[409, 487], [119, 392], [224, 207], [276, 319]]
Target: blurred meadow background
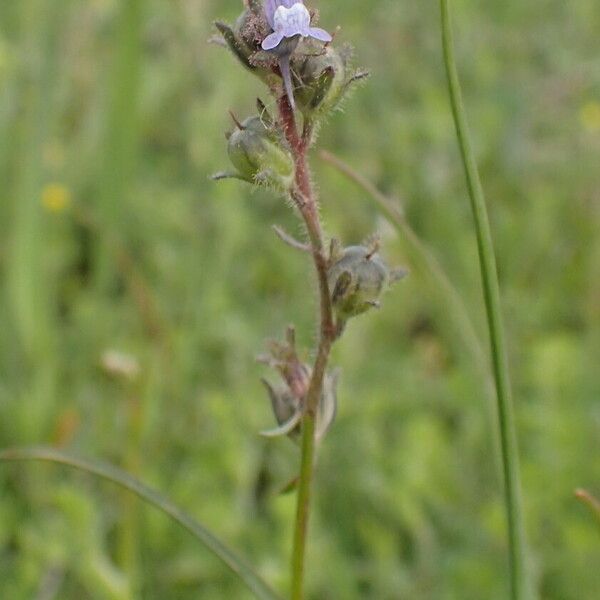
[[135, 294]]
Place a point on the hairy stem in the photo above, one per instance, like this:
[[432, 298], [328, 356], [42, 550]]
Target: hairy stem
[[304, 199], [491, 289]]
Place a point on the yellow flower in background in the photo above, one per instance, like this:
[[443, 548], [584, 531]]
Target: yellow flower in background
[[56, 197], [590, 115]]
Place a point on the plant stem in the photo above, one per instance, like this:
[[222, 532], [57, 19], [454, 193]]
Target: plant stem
[[304, 199], [491, 290]]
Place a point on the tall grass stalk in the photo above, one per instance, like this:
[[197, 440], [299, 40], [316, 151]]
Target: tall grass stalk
[[40, 23], [32, 303], [121, 135], [519, 585]]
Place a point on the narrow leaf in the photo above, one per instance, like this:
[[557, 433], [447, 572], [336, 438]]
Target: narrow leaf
[[234, 44]]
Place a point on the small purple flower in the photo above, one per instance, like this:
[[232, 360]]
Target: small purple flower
[[289, 20]]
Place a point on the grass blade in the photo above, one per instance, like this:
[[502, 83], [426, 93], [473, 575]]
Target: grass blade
[[519, 582], [122, 133], [236, 564]]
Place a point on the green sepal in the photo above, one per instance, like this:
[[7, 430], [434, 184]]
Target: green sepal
[[237, 47]]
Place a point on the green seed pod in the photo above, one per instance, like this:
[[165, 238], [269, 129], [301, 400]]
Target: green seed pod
[[323, 81], [260, 156], [358, 277]]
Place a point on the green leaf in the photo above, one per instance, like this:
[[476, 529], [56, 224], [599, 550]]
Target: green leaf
[[236, 564]]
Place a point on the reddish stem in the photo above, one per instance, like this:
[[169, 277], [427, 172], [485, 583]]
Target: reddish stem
[[304, 198]]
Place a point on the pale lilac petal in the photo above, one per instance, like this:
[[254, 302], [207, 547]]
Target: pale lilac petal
[[272, 41], [270, 8], [292, 21], [272, 5], [320, 34]]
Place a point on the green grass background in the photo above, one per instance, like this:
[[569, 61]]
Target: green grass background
[[123, 106]]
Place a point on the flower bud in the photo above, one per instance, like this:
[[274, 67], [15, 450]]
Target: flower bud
[[324, 80], [259, 155], [358, 277]]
